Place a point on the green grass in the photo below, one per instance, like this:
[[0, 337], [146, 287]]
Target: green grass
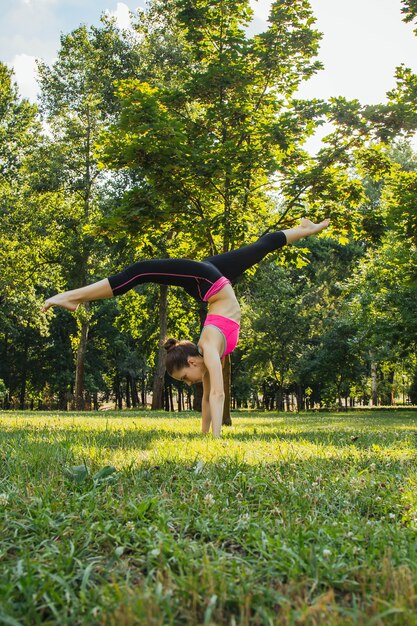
[[303, 520]]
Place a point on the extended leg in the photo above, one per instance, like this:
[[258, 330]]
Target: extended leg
[[193, 276], [72, 299], [234, 263], [305, 229]]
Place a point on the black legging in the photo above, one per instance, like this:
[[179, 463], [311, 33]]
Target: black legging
[[197, 277]]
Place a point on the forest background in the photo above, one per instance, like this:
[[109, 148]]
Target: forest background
[[185, 137]]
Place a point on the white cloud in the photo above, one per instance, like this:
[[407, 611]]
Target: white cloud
[[30, 28], [25, 75], [261, 9], [122, 15], [363, 42]]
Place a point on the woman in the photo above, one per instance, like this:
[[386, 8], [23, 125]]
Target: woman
[[210, 281]]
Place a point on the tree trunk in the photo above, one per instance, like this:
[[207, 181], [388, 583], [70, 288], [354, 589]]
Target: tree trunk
[[300, 399], [279, 399], [227, 420], [134, 389], [412, 391], [166, 397], [128, 404], [391, 378], [62, 400], [24, 376], [339, 392], [198, 397], [374, 384], [287, 402], [159, 378], [389, 392]]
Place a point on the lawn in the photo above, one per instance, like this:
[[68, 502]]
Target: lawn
[[136, 518]]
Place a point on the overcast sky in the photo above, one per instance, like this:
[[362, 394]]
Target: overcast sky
[[363, 40]]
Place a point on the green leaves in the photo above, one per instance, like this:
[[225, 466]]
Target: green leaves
[[205, 145], [104, 473], [80, 474], [19, 127], [409, 9], [202, 148]]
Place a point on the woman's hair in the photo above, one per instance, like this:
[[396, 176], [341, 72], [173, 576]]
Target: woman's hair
[[178, 353]]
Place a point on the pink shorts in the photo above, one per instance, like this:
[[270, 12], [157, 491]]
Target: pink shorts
[[228, 328]]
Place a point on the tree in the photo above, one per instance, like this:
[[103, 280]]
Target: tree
[[29, 234], [274, 332], [78, 101], [384, 295], [297, 336], [203, 147]]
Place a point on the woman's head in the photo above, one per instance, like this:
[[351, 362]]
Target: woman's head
[[183, 361]]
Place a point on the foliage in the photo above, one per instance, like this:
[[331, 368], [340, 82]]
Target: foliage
[[3, 389], [383, 287], [276, 326], [78, 100], [204, 145], [205, 137], [409, 9]]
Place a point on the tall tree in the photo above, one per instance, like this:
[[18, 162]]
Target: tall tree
[[206, 145], [383, 289], [29, 233], [78, 100], [213, 142]]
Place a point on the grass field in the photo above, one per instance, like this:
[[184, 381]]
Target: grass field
[[129, 519]]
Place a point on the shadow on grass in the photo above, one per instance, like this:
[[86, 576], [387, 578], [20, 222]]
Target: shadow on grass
[[145, 438], [338, 439]]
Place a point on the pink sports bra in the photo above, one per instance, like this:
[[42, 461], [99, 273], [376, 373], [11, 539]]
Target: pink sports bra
[[228, 328]]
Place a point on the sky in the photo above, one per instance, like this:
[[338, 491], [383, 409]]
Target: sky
[[363, 40]]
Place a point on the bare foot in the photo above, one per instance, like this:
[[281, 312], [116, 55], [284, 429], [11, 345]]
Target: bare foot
[[63, 300]]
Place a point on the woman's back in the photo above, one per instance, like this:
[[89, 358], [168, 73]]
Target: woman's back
[[225, 303]]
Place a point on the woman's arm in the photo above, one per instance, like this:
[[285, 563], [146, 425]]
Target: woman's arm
[[216, 395], [205, 406]]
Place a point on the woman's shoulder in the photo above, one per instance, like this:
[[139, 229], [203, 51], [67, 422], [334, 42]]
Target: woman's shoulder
[[211, 340]]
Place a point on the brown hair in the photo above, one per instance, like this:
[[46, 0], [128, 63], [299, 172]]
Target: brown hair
[[178, 353]]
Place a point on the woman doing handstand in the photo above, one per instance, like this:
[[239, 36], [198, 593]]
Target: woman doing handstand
[[209, 281]]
